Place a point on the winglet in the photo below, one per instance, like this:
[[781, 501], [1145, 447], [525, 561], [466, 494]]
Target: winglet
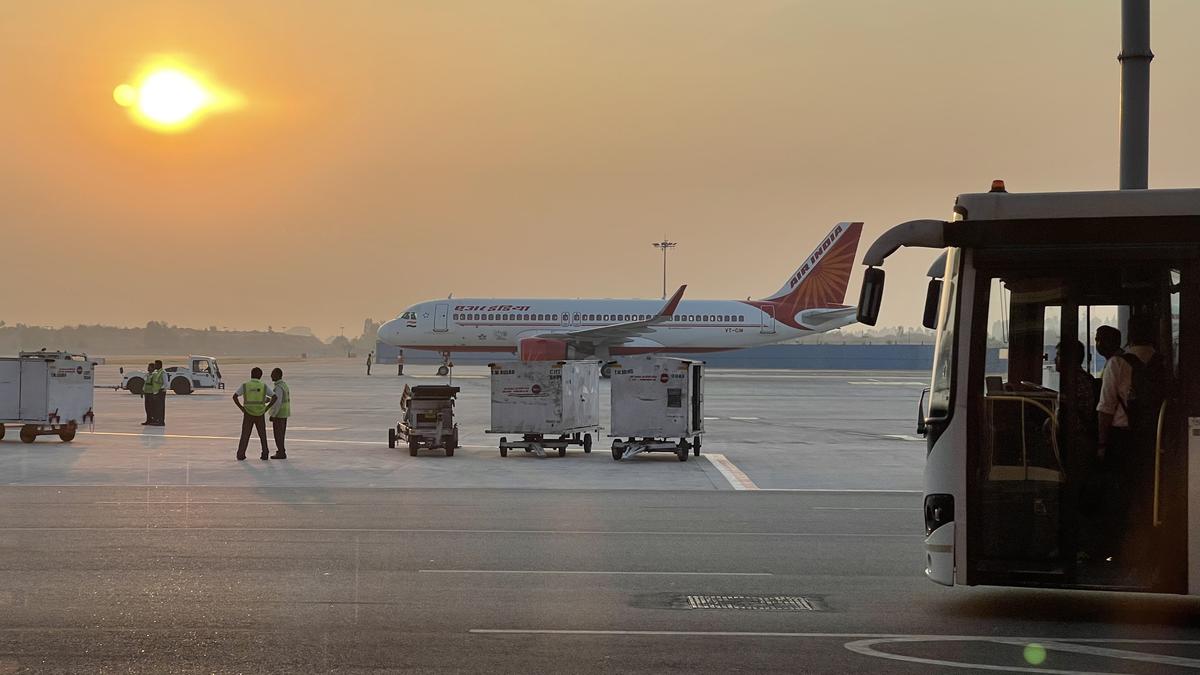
[[669, 308]]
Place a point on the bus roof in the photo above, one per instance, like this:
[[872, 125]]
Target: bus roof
[[1095, 204]]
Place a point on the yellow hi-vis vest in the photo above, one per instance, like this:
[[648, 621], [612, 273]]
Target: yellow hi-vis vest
[[255, 401], [157, 380], [153, 383], [284, 394]]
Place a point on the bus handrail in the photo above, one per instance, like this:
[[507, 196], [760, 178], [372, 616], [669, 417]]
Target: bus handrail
[[1158, 452], [1050, 413]]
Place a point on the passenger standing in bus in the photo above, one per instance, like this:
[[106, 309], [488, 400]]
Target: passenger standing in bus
[[1130, 396]]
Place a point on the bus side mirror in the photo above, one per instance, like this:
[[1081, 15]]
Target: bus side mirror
[[933, 295], [870, 297]]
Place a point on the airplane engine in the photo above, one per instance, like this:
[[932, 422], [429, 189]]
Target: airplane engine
[[542, 349]]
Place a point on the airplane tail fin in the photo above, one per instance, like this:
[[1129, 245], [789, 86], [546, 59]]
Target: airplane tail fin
[[822, 278]]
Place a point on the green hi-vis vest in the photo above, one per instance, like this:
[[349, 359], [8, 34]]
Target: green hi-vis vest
[[154, 383], [255, 401], [284, 394]]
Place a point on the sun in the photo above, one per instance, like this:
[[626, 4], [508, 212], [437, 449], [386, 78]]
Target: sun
[[169, 97]]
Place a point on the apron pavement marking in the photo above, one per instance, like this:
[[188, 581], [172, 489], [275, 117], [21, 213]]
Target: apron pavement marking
[[737, 479]]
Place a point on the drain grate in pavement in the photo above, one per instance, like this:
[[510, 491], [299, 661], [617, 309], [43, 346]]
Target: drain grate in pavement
[[767, 603]]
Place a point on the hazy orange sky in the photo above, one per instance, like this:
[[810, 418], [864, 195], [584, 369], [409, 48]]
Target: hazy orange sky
[[391, 152]]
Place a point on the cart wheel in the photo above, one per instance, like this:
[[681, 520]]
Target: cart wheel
[[616, 452], [696, 449], [1, 432], [696, 444], [562, 452], [28, 433], [443, 371], [504, 450], [67, 433], [135, 384], [412, 447], [682, 453], [392, 438], [587, 443], [449, 452]]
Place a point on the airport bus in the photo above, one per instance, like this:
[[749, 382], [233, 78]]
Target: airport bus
[[1016, 491]]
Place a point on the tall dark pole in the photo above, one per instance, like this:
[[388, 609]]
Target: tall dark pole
[[1135, 94], [664, 245]]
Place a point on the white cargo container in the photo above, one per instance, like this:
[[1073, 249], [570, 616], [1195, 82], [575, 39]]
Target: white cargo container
[[46, 393], [542, 399], [655, 399]]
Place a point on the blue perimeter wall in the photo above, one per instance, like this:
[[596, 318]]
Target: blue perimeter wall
[[795, 357]]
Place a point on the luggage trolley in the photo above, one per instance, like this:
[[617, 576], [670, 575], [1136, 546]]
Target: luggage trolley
[[656, 399], [46, 394], [428, 420], [551, 404]]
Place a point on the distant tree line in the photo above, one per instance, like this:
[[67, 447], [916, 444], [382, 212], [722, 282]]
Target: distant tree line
[[158, 337]]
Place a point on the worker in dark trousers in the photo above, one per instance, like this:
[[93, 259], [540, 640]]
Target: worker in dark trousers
[[370, 358], [281, 410], [400, 363], [160, 394], [252, 398], [147, 397]]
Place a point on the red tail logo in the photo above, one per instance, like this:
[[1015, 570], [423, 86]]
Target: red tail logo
[[822, 278]]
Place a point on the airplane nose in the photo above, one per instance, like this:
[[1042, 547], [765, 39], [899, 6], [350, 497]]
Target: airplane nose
[[390, 332]]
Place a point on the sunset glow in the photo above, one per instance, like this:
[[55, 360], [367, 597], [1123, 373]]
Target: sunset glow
[[169, 98]]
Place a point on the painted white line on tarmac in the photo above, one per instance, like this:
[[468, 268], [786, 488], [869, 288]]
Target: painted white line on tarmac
[[368, 530], [855, 508], [865, 647], [604, 573], [904, 437], [737, 479], [893, 384], [235, 438], [745, 419]]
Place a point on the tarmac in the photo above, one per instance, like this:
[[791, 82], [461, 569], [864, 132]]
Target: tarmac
[[780, 430], [793, 544]]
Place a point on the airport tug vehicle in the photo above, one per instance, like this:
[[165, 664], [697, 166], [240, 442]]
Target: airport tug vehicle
[[428, 419], [202, 372], [1019, 491], [657, 405], [46, 393], [552, 404]]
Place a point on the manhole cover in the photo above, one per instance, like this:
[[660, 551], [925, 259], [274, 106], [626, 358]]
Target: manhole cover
[[768, 603]]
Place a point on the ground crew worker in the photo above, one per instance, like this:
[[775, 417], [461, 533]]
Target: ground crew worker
[[400, 363], [257, 397], [160, 394], [281, 410], [147, 397], [370, 356]]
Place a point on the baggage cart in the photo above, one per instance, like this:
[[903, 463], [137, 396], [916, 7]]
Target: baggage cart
[[427, 419], [657, 405], [46, 393], [551, 404]]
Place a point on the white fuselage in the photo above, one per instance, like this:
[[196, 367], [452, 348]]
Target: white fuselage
[[495, 325]]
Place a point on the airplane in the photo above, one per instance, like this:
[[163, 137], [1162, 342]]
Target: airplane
[[536, 329]]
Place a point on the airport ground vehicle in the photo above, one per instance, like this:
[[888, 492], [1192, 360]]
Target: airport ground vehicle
[[202, 372], [552, 404], [1015, 491], [46, 393], [656, 399], [428, 419]]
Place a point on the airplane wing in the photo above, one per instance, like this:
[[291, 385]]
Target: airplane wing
[[620, 333]]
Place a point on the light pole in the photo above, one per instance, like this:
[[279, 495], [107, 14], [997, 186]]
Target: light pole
[[664, 245]]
